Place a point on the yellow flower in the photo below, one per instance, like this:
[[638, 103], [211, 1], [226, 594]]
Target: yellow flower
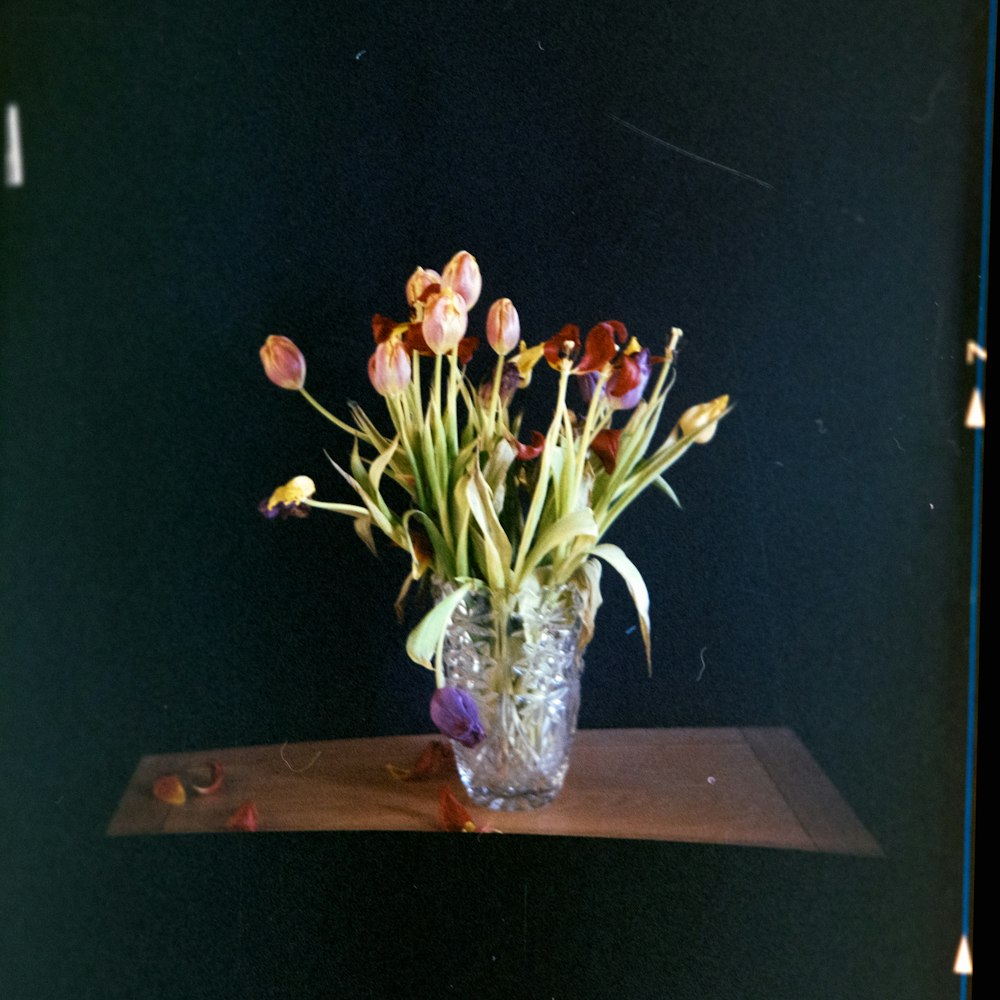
[[289, 500]]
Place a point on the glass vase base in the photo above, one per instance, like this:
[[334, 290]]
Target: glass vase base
[[513, 801]]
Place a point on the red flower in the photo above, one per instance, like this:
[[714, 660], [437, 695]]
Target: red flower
[[564, 344]]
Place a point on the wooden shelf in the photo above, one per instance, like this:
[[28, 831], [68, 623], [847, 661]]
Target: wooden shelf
[[752, 786]]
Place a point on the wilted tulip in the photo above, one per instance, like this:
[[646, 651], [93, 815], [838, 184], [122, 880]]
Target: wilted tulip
[[503, 327], [704, 418], [461, 274], [283, 362], [628, 379], [446, 317], [454, 712], [419, 282], [289, 500], [389, 368]]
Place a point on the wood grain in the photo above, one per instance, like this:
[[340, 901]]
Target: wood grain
[[753, 787]]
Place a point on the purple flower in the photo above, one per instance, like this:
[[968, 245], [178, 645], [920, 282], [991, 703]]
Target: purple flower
[[454, 712], [587, 384], [628, 380]]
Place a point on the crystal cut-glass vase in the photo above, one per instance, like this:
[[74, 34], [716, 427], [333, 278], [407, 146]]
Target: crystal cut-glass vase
[[520, 657]]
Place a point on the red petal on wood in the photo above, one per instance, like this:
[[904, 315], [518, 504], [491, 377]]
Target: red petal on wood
[[246, 818]]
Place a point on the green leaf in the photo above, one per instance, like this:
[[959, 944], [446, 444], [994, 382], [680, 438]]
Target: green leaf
[[567, 529], [424, 641], [378, 466], [617, 559], [662, 484], [498, 551]]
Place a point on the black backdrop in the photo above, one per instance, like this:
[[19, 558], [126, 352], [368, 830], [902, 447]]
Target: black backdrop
[[200, 176]]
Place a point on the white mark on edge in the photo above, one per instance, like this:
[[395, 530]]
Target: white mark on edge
[[540, 49], [359, 54], [932, 506], [298, 770], [702, 655], [688, 153], [13, 162]]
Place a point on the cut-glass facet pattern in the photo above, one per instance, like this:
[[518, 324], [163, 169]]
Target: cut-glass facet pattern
[[520, 658]]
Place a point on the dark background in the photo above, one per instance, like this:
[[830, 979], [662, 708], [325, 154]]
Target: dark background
[[200, 176]]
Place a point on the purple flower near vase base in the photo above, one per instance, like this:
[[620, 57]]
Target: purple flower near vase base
[[454, 712]]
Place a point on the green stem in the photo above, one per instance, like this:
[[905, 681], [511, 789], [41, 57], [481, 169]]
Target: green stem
[[334, 420]]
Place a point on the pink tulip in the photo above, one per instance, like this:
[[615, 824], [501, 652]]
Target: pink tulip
[[461, 274], [446, 317], [283, 362], [389, 368], [503, 327], [420, 281]]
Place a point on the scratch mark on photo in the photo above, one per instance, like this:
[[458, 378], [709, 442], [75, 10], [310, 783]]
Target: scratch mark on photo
[[702, 657], [689, 154]]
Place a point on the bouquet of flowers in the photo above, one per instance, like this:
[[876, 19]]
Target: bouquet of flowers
[[486, 505]]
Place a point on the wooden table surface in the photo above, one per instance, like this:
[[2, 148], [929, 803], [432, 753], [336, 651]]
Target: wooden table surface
[[745, 786]]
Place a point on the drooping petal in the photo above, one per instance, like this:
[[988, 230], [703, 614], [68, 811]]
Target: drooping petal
[[454, 712], [283, 362], [628, 380], [510, 380], [466, 348], [413, 339], [527, 452], [587, 384], [382, 328], [461, 275], [525, 361], [605, 447], [600, 349]]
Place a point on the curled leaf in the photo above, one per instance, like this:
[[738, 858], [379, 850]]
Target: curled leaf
[[170, 790], [215, 780], [245, 818]]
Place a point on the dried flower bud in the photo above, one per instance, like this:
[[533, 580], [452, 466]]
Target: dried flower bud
[[454, 712], [461, 274], [389, 368], [283, 362], [446, 317], [704, 418], [503, 327]]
